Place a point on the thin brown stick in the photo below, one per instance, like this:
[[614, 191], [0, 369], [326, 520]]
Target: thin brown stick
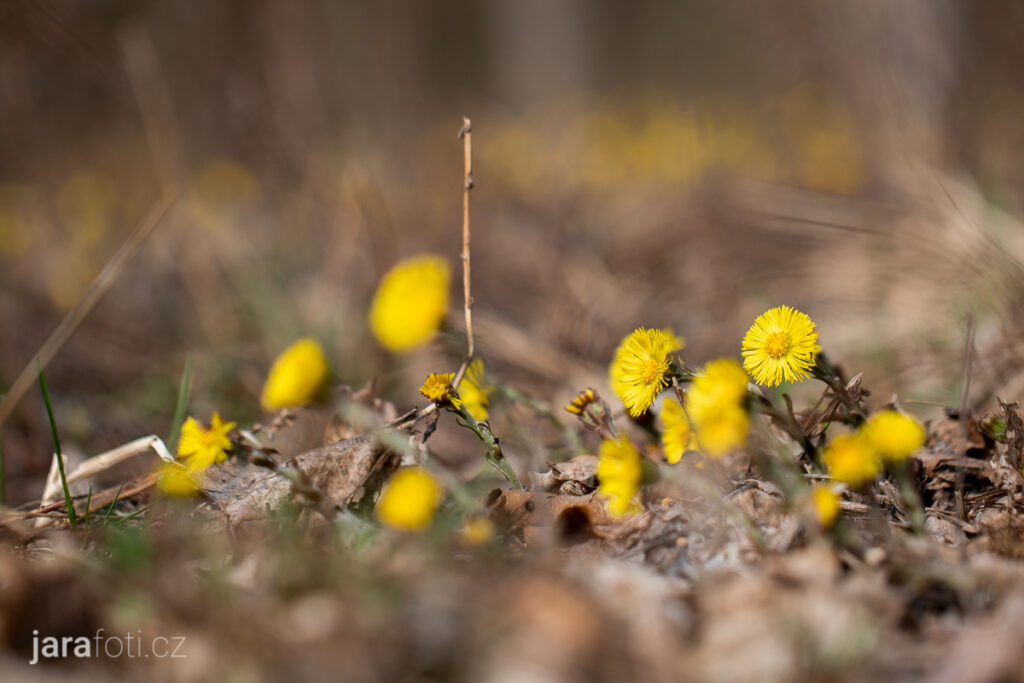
[[76, 315], [466, 133], [963, 416]]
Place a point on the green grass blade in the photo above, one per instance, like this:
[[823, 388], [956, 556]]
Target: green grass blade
[[110, 510], [181, 406], [56, 447]]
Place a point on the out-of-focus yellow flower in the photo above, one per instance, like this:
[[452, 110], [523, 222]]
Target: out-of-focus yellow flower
[[851, 460], [409, 500], [780, 345], [296, 376], [175, 481], [87, 205], [475, 390], [676, 436], [221, 189], [715, 403], [410, 302], [722, 431], [477, 530], [201, 446], [638, 370], [619, 473], [893, 435], [438, 388], [825, 502]]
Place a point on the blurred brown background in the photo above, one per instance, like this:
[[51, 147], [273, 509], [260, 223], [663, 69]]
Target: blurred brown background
[[671, 164]]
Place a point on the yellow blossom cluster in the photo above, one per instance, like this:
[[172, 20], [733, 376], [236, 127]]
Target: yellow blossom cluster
[[887, 436]]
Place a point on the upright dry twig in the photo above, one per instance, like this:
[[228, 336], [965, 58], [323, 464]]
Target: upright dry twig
[[466, 134], [965, 392], [77, 314]]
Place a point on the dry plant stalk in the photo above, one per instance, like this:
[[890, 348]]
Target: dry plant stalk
[[466, 134], [96, 290]]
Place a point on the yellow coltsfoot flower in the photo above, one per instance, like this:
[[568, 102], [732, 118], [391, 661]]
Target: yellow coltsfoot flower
[[851, 459], [475, 391], [438, 388], [409, 500], [175, 481], [410, 302], [716, 404], [780, 346], [619, 473], [825, 502], [201, 446], [296, 376], [893, 435], [676, 436], [639, 369]]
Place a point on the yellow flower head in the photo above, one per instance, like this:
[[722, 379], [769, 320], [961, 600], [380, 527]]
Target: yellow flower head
[[409, 500], [582, 400], [438, 388], [202, 446], [296, 376], [619, 472], [825, 502], [477, 530], [893, 435], [640, 365], [475, 391], [175, 481], [676, 436], [851, 460], [780, 346], [410, 302], [715, 403], [723, 431]]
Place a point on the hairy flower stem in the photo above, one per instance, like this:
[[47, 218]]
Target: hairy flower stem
[[908, 490], [493, 455]]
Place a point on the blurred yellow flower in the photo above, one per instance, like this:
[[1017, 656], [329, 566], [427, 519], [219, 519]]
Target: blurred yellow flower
[[175, 481], [619, 472], [409, 500], [410, 302], [825, 502], [675, 430], [780, 346], [851, 460], [87, 205], [296, 376], [478, 530], [475, 391], [715, 403], [201, 446], [638, 370], [893, 435]]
